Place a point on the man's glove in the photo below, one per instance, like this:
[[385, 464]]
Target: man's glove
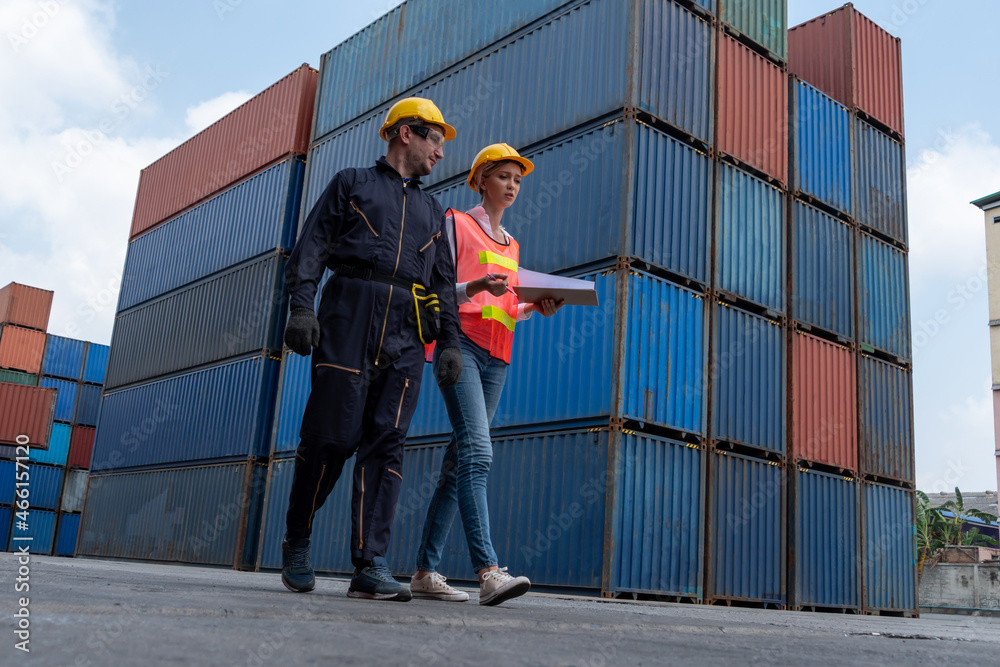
[[302, 331], [449, 367]]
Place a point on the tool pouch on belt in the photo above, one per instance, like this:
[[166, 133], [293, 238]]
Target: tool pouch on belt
[[428, 309]]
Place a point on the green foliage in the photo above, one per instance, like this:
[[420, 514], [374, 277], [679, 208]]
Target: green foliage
[[936, 531]]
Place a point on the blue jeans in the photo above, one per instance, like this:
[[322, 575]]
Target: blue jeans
[[466, 466]]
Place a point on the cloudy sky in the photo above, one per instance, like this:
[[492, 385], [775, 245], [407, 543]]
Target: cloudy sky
[[94, 91]]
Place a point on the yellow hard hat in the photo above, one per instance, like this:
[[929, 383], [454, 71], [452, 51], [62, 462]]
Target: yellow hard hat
[[416, 108], [498, 153]]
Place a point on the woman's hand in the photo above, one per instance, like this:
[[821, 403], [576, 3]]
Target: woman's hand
[[546, 307], [496, 287]]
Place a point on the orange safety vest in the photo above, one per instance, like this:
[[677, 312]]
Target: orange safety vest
[[487, 320]]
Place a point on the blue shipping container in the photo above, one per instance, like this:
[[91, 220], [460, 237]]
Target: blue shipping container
[[66, 398], [69, 524], [593, 58], [58, 450], [207, 515], [884, 294], [638, 192], [750, 238], [885, 412], [827, 544], [822, 271], [7, 471], [96, 365], [880, 171], [44, 486], [88, 405], [5, 519], [228, 315], [216, 413], [748, 373], [63, 357], [889, 558], [247, 220], [38, 536], [822, 159], [748, 530]]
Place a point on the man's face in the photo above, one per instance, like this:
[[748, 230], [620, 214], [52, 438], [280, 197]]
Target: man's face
[[424, 148]]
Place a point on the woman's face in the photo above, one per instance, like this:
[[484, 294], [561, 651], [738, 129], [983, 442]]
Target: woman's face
[[501, 187]]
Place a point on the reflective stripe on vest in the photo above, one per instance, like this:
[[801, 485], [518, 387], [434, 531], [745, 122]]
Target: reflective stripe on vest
[[487, 257], [495, 313]]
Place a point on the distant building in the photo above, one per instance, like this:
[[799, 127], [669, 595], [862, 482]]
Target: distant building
[[991, 207], [984, 502]]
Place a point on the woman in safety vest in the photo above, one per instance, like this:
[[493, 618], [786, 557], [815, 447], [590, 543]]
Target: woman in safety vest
[[486, 261]]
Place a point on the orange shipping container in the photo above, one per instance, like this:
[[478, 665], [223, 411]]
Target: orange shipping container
[[275, 123], [752, 122], [26, 414], [81, 447], [21, 349], [824, 403], [25, 306], [847, 56]]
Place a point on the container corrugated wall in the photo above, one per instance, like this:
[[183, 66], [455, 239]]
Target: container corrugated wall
[[26, 411], [220, 412], [393, 53], [822, 270], [765, 22], [39, 535], [272, 124], [431, 416], [883, 293], [885, 411], [880, 193], [4, 525], [25, 306], [889, 556], [657, 518], [827, 541], [66, 401], [293, 393], [822, 151], [237, 312], [748, 373], [18, 377], [88, 405], [748, 530], [21, 349], [63, 357], [878, 67], [206, 515], [69, 524], [81, 447], [96, 366], [58, 449], [824, 403], [7, 471], [74, 491], [752, 124], [750, 238], [245, 221], [45, 487]]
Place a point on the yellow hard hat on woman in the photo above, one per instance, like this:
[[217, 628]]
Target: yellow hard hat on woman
[[498, 153], [417, 108]]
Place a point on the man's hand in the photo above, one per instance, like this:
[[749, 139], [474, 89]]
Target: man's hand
[[546, 307], [302, 331], [496, 285], [449, 367]]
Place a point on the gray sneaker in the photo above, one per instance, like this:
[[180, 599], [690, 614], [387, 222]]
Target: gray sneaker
[[435, 587], [498, 586]]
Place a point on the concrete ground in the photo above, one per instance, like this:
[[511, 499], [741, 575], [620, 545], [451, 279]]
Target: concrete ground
[[90, 612]]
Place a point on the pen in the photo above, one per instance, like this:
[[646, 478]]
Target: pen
[[507, 288]]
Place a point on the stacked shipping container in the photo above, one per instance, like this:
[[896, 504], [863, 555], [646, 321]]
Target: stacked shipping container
[[193, 365]]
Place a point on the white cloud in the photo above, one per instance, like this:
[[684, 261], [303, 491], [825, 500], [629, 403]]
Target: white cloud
[[201, 116]]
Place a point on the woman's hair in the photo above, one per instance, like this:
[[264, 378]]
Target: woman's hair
[[491, 168]]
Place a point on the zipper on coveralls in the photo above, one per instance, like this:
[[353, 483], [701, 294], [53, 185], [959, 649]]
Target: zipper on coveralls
[[361, 512], [365, 218], [402, 224], [399, 411]]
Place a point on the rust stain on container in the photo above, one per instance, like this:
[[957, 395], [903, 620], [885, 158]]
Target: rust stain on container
[[752, 123], [26, 413], [847, 56], [21, 349], [824, 403], [25, 306], [275, 123]]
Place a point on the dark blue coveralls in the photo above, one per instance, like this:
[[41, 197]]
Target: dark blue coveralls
[[366, 371]]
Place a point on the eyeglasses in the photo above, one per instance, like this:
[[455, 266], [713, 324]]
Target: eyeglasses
[[432, 136]]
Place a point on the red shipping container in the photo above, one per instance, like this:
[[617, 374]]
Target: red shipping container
[[81, 447], [752, 121], [26, 415], [272, 125], [21, 349], [25, 306], [824, 403], [847, 56]]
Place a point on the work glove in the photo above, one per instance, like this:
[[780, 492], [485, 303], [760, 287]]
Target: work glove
[[449, 367], [302, 331]]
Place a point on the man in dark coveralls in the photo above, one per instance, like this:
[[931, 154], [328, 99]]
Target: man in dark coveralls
[[380, 234]]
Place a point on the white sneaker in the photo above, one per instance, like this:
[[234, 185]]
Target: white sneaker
[[498, 586], [434, 587]]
